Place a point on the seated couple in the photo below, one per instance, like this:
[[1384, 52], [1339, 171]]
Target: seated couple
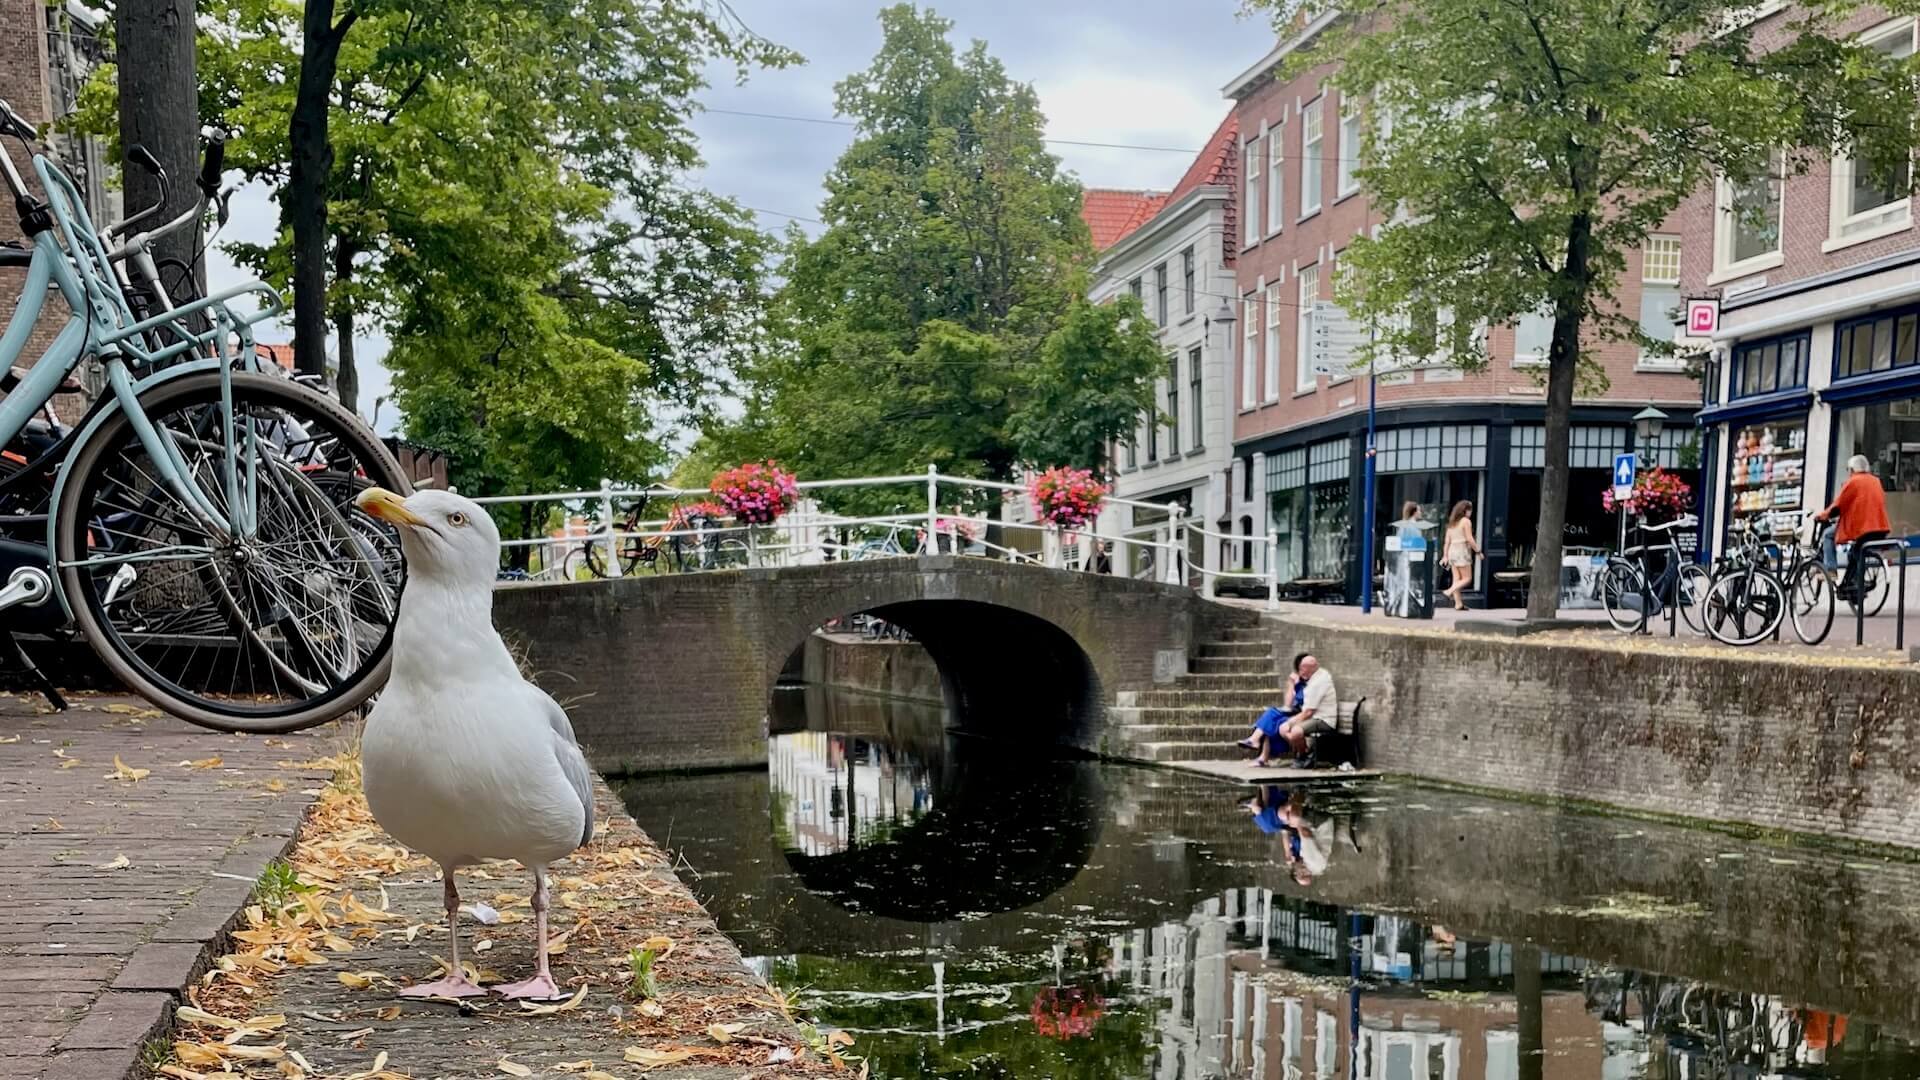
[[1309, 707]]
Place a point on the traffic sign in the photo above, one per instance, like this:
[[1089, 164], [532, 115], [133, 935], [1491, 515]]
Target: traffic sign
[[1623, 466], [1336, 339]]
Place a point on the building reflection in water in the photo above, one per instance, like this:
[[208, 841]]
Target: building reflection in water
[[1250, 982]]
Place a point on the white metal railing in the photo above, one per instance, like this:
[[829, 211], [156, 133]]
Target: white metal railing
[[810, 535]]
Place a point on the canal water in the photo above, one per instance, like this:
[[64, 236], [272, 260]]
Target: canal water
[[982, 909]]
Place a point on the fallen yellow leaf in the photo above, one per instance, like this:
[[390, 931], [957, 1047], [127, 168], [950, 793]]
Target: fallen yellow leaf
[[564, 1006], [660, 945], [513, 1068], [649, 1058], [206, 763], [123, 771], [360, 980], [9, 739], [724, 1033], [120, 863], [391, 1012]]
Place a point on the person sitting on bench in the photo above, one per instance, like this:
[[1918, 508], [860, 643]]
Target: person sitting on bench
[[1266, 730], [1319, 710]]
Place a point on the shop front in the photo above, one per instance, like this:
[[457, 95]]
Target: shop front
[[1310, 492], [1873, 406]]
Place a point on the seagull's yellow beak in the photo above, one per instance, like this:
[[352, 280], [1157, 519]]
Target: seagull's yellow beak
[[387, 506]]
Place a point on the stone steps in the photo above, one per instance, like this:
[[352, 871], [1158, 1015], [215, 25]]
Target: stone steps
[[1219, 736], [1250, 701], [1223, 649], [1233, 665], [1183, 751], [1184, 716], [1213, 680], [1248, 633]]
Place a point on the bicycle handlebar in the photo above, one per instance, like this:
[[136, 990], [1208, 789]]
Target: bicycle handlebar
[[1681, 522]]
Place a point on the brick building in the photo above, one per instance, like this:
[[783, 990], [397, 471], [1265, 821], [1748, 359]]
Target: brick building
[[1443, 434], [1818, 276]]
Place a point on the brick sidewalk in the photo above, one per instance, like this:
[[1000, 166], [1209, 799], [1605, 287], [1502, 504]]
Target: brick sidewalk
[[94, 952]]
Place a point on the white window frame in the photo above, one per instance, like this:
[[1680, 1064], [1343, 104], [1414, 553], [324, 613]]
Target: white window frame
[[1648, 361], [1276, 179], [1313, 145], [1250, 231], [1846, 228], [1249, 344], [1724, 267], [1274, 306], [1307, 289], [1346, 183], [1533, 359]]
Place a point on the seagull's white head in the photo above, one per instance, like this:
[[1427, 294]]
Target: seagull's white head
[[449, 540]]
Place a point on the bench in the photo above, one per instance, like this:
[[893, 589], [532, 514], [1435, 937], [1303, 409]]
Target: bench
[[1341, 746]]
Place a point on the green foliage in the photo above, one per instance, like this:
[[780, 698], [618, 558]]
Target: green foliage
[[279, 885], [509, 191], [919, 326], [640, 984]]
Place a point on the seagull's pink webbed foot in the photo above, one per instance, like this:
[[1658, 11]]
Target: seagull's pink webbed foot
[[539, 988], [453, 986]]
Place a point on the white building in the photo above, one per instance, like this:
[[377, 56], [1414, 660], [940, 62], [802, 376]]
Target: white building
[[1179, 262]]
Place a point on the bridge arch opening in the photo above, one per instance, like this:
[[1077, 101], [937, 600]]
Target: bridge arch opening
[[1003, 673]]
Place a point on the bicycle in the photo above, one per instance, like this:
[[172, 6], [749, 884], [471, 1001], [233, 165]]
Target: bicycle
[[178, 528], [1746, 600], [1810, 586], [1631, 596]]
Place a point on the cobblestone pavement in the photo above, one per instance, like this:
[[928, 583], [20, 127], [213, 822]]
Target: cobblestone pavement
[[113, 889]]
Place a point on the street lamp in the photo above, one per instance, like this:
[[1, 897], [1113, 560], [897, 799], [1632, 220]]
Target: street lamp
[[1647, 423]]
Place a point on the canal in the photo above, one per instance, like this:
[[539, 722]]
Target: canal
[[982, 909]]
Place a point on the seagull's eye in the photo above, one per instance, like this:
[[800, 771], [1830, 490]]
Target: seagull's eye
[[456, 519]]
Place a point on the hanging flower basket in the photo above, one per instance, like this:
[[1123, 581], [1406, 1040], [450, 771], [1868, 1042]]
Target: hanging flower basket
[[1067, 1012], [951, 533], [1067, 497], [1658, 495], [756, 493]]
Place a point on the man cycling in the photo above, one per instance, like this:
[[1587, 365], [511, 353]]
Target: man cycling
[[1861, 507]]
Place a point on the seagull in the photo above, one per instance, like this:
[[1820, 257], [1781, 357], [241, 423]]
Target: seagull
[[462, 759]]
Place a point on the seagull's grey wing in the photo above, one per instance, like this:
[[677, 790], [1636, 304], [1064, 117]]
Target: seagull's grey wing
[[573, 763]]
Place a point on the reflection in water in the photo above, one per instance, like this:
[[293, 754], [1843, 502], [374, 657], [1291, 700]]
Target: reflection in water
[[966, 910]]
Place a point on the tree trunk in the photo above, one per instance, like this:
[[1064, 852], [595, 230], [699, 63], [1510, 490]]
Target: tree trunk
[[520, 556], [311, 165], [160, 109], [1563, 369], [347, 380]]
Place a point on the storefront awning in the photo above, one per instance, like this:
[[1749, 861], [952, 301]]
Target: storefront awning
[[1881, 385], [1749, 408]]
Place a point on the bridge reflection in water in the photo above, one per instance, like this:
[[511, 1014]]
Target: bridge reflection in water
[[967, 907]]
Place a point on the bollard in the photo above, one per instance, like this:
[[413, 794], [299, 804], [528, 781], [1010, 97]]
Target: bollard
[[1427, 562], [1900, 603], [933, 511], [1273, 569], [606, 526]]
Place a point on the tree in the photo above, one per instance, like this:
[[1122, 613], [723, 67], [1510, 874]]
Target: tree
[[1528, 145], [915, 328], [1093, 381], [310, 168], [160, 110]]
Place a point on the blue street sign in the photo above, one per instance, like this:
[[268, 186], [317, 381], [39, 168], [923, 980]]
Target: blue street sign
[[1623, 465]]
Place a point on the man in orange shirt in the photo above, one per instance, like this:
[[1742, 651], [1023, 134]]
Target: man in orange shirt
[[1862, 507]]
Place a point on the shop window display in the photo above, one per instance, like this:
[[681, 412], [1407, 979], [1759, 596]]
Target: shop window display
[[1767, 479], [1887, 433]]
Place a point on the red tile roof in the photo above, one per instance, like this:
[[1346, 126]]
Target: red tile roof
[[279, 354], [1112, 213], [1218, 164]]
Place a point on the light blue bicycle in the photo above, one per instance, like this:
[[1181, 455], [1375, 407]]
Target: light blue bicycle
[[197, 526]]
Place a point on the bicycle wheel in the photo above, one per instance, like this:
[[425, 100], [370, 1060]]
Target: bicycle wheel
[[728, 553], [1694, 584], [1877, 582], [1745, 606], [1810, 595], [1623, 592], [289, 628]]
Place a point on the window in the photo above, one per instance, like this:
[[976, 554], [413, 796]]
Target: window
[[1312, 142], [1867, 203], [1275, 305], [1762, 367], [1193, 396], [1249, 350], [1437, 446], [1287, 470], [1303, 379], [1133, 452], [1153, 439], [1877, 343], [1747, 222], [1589, 446], [1276, 178], [1252, 200], [1532, 338], [1328, 461], [1659, 293], [1134, 288], [1349, 151], [1886, 433], [1173, 406], [1186, 277], [1160, 294]]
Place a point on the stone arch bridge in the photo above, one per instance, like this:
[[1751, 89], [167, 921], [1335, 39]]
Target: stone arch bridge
[[677, 671]]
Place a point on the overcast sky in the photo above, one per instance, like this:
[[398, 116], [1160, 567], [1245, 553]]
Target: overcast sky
[[1138, 72]]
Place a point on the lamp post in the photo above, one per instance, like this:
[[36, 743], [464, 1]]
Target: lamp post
[[1648, 423], [1226, 318]]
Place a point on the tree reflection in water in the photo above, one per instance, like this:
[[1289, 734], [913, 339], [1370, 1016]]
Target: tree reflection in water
[[968, 910]]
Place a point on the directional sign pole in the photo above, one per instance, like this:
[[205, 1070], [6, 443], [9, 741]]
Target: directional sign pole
[[1623, 469]]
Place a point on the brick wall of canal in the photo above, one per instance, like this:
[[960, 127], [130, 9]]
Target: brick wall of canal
[[897, 669], [1768, 741]]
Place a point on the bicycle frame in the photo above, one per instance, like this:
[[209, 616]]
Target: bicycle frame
[[102, 322]]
